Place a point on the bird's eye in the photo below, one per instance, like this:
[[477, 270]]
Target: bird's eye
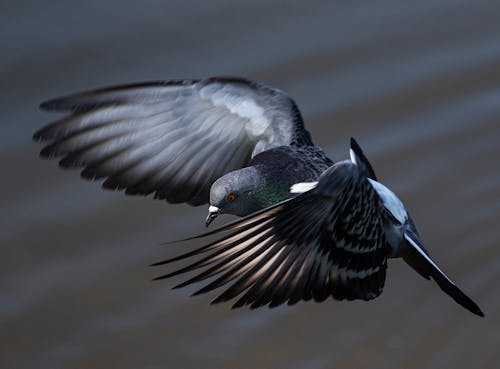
[[231, 197]]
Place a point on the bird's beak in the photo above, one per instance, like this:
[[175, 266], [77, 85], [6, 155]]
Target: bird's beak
[[213, 211]]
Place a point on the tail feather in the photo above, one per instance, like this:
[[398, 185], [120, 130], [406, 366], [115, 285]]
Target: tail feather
[[426, 267], [456, 294]]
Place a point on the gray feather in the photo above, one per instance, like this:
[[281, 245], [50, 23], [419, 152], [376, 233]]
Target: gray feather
[[152, 137]]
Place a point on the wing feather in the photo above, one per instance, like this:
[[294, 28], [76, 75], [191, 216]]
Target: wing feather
[[151, 137], [325, 242]]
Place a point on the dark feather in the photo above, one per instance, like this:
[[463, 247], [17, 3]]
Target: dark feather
[[325, 242], [362, 161]]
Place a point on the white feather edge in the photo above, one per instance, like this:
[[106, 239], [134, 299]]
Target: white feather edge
[[353, 156], [419, 249], [302, 187]]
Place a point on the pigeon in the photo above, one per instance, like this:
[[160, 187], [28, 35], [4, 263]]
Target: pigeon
[[332, 239], [309, 228]]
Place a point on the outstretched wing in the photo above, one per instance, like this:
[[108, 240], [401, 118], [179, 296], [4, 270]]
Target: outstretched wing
[[174, 138], [328, 241]]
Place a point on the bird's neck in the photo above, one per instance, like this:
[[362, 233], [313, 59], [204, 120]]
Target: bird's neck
[[272, 189]]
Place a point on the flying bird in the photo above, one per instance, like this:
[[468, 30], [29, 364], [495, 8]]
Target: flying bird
[[311, 228]]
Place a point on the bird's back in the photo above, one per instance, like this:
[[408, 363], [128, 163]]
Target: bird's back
[[284, 166]]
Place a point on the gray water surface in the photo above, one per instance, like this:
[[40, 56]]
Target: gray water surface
[[417, 83]]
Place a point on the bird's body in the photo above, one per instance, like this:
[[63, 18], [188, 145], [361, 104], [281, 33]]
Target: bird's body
[[311, 228], [284, 166]]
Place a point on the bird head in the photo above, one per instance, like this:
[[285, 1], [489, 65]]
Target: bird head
[[234, 193]]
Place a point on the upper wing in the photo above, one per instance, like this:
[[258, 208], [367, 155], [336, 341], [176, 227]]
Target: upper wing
[[328, 241], [174, 138]]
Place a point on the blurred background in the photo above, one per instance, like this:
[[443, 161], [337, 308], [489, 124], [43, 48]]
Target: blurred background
[[417, 83]]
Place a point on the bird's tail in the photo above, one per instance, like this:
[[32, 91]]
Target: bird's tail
[[418, 258]]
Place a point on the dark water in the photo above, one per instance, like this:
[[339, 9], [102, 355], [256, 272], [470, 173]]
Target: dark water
[[418, 83]]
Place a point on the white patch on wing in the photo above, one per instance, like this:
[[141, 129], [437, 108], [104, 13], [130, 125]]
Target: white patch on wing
[[391, 201], [419, 249], [239, 104], [302, 187]]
